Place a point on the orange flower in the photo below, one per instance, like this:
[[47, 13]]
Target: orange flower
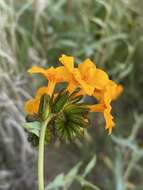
[[97, 78], [76, 80], [56, 75], [53, 75], [68, 62], [91, 81], [86, 75], [105, 96], [32, 106]]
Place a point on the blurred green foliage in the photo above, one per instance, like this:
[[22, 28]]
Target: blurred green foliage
[[107, 31]]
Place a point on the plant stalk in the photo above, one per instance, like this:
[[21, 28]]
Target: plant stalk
[[41, 153]]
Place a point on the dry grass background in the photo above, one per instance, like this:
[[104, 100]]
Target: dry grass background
[[37, 32]]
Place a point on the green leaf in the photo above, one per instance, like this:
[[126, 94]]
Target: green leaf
[[70, 177], [33, 127], [84, 182], [90, 166], [59, 181]]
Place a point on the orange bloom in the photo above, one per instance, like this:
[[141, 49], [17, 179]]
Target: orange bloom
[[32, 106], [54, 75], [68, 62], [105, 97], [96, 78], [91, 81], [86, 75]]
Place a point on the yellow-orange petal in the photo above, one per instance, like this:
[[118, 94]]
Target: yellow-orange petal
[[96, 107], [41, 91], [62, 75], [49, 73], [36, 69], [86, 68], [100, 79], [118, 91], [83, 84], [109, 119], [71, 87], [98, 94], [51, 87], [67, 61], [106, 110], [95, 77], [32, 106], [111, 91]]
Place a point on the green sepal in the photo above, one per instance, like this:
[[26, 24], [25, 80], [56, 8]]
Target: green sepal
[[66, 129], [76, 109], [77, 130], [60, 119], [60, 101], [61, 127], [73, 94], [66, 135], [79, 120], [46, 113], [44, 107], [75, 99]]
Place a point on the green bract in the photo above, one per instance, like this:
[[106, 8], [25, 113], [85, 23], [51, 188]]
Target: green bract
[[68, 118]]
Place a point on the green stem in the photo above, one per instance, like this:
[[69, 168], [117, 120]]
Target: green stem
[[41, 154]]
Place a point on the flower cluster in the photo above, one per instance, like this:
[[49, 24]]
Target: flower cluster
[[90, 81]]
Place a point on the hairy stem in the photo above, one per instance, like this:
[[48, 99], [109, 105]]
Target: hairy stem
[[41, 154]]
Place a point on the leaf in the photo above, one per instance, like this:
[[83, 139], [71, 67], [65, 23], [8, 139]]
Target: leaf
[[99, 22], [89, 167], [59, 181], [33, 127], [5, 6], [105, 4], [84, 182], [69, 178]]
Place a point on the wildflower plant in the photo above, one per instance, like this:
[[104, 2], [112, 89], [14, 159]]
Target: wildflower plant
[[63, 115]]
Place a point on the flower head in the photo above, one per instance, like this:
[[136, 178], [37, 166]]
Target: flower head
[[87, 77]]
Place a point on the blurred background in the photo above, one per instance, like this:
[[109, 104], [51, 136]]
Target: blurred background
[[110, 32]]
